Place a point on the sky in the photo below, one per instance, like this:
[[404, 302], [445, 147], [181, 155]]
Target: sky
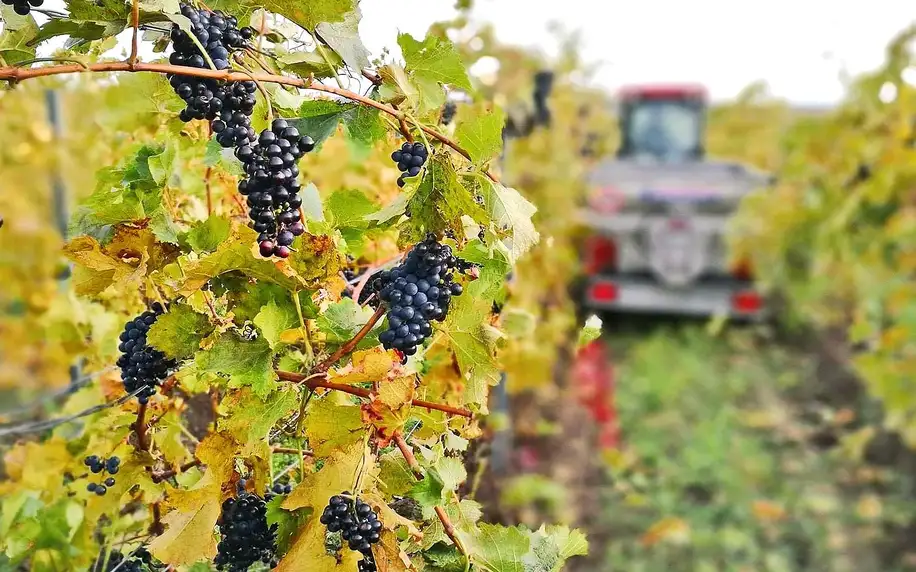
[[799, 47]]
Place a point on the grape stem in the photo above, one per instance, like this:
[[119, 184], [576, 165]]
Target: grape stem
[[135, 39], [317, 380], [140, 428], [352, 343], [16, 74]]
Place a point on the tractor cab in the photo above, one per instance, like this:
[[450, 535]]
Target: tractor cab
[[665, 123]]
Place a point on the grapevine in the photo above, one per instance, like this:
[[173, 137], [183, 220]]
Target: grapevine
[[244, 307]]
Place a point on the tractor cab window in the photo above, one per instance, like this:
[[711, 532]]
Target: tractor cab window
[[664, 129]]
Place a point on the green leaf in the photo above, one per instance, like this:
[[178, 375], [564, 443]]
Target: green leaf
[[318, 118], [178, 332], [440, 201], [430, 64], [214, 153], [273, 320], [99, 10], [464, 329], [364, 124], [311, 203], [249, 299], [15, 41], [481, 134], [463, 515], [442, 558], [206, 236], [310, 14], [452, 472], [395, 473], [349, 208], [246, 363], [236, 254], [428, 492], [303, 63], [341, 320], [84, 30], [496, 548], [161, 165], [288, 522], [252, 418], [590, 331], [13, 21], [511, 212], [552, 546], [343, 37]]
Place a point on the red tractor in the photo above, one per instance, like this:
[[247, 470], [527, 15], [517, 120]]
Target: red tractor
[[658, 213]]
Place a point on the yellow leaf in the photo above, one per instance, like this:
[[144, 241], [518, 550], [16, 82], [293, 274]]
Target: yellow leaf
[[669, 529], [333, 422], [767, 511], [391, 408], [337, 474], [388, 555], [367, 365], [98, 270], [869, 507], [189, 534], [308, 552], [389, 517]]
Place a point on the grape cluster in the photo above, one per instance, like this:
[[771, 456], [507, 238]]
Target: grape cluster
[[23, 7], [417, 291], [358, 523], [142, 366], [281, 489], [352, 277], [271, 185], [227, 105], [367, 564], [410, 157], [448, 112], [96, 464], [138, 561], [246, 538]]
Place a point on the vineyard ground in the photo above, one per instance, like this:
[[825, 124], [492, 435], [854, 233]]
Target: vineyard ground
[[747, 448]]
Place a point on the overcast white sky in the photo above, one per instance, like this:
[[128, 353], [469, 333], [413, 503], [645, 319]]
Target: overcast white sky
[[797, 46]]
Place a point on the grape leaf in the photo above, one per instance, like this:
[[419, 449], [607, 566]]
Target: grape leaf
[[252, 418], [429, 492], [389, 556], [367, 365], [395, 473], [318, 118], [496, 548], [341, 320], [551, 546], [332, 423], [452, 472], [311, 203], [97, 270], [440, 201], [481, 134], [13, 21], [178, 332], [246, 363], [432, 62], [237, 254], [463, 515], [99, 10], [442, 558], [390, 409], [273, 320], [467, 338], [206, 236], [288, 522], [335, 476], [510, 211], [364, 124], [349, 208], [84, 30], [303, 63], [308, 552], [190, 523], [343, 37], [310, 14]]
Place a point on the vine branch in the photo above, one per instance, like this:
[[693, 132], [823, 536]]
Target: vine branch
[[418, 473], [135, 39], [16, 74], [140, 428], [316, 381]]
